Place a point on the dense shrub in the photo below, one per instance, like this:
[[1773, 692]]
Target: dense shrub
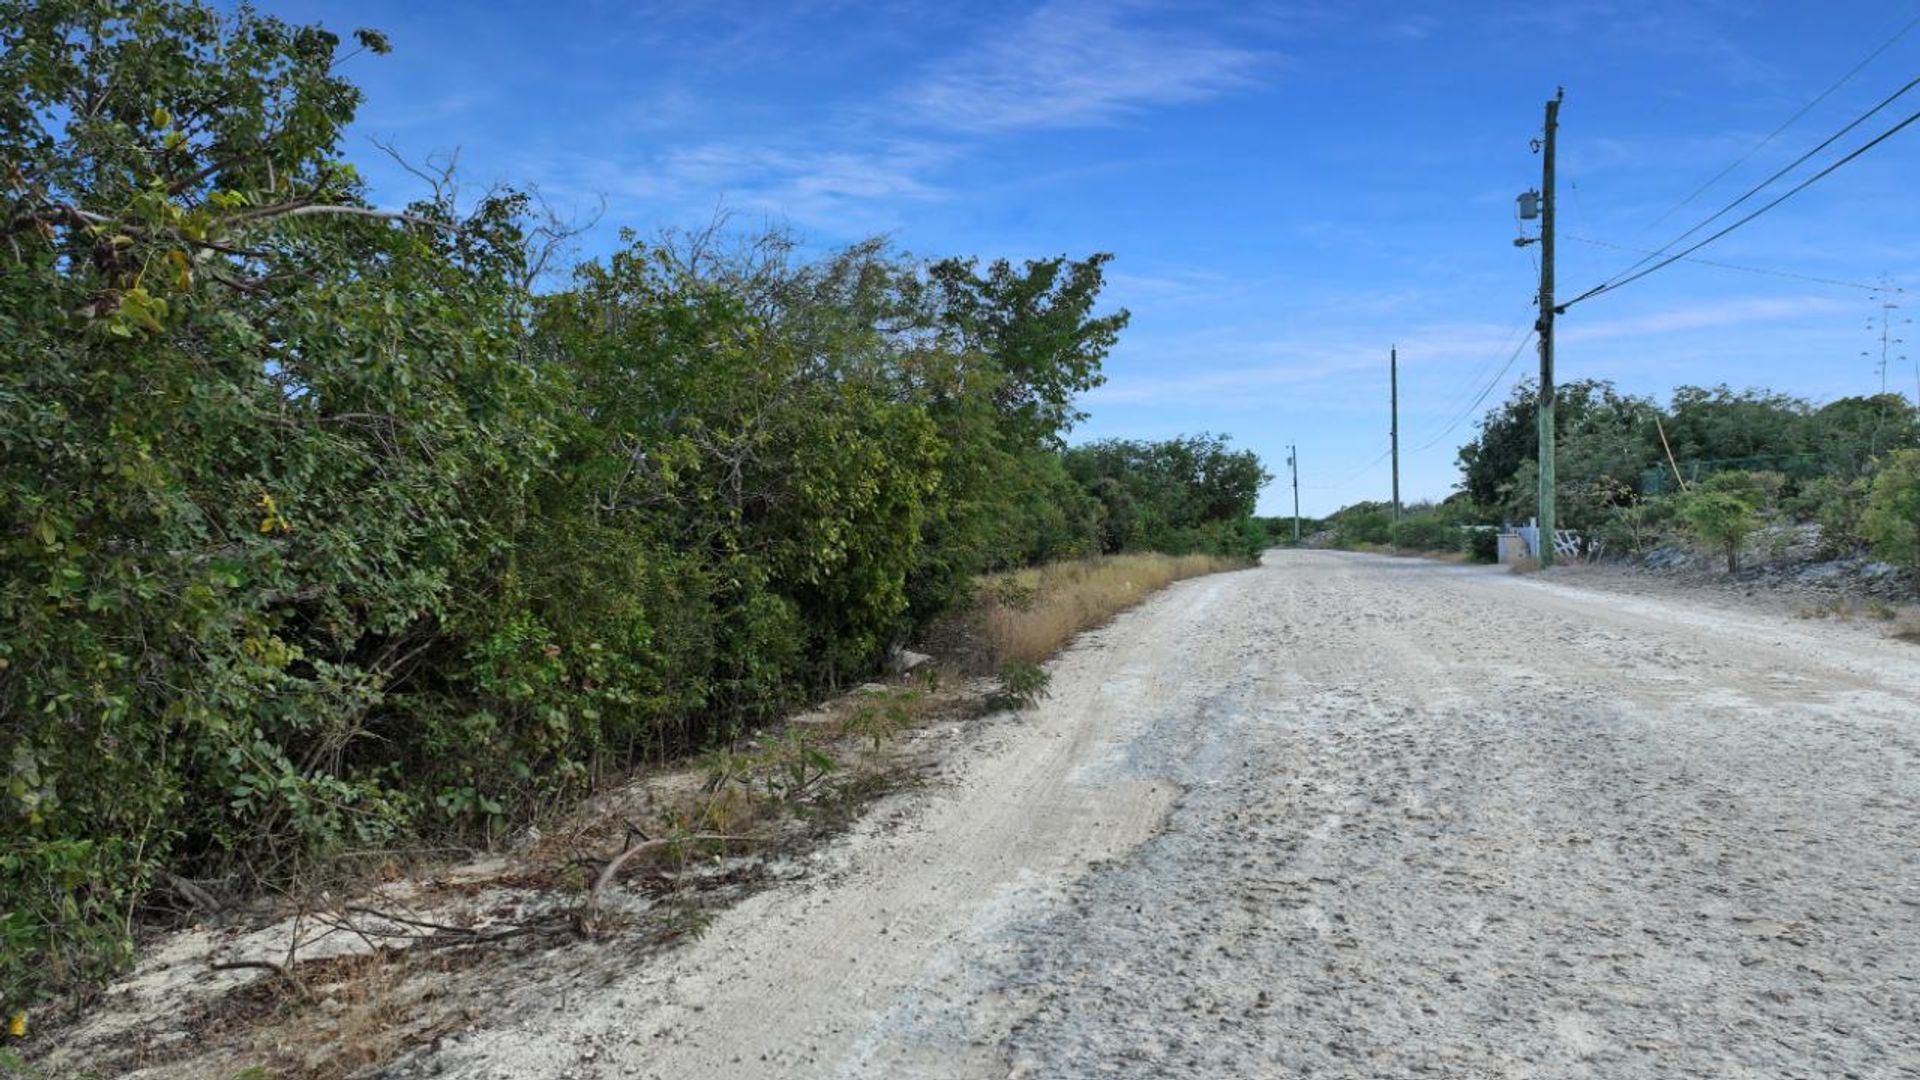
[[320, 529], [245, 496], [1838, 505], [1891, 522], [1363, 525], [1725, 509], [1483, 545], [1642, 525], [1425, 532], [1181, 496]]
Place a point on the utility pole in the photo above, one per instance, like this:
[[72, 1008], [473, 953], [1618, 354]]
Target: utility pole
[[1293, 462], [1393, 378], [1545, 327]]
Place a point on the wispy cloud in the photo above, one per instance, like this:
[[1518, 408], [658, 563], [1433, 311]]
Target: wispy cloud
[[1701, 32], [1412, 28], [846, 166], [1245, 387], [418, 113], [1249, 370], [1076, 64], [853, 186], [1711, 316]]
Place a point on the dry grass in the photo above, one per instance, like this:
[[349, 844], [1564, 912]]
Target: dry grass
[[1831, 608], [1025, 616], [1523, 564], [1840, 607]]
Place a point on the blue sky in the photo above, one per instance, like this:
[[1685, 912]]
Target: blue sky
[[1288, 188]]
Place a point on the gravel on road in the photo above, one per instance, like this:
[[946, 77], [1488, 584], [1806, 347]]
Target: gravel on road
[[1346, 816]]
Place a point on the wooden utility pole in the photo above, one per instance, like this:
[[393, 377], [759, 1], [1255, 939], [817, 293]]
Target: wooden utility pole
[[1545, 327], [1293, 462], [1393, 379]]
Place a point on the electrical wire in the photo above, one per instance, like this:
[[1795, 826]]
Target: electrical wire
[[1455, 422], [1609, 286], [1789, 122], [1458, 400], [1465, 401], [1498, 377], [1355, 475], [1729, 266], [1762, 185]]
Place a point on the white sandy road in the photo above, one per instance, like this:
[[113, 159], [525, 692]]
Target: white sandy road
[[1344, 816]]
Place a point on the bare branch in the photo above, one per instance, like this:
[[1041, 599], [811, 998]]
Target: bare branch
[[612, 871], [353, 211]]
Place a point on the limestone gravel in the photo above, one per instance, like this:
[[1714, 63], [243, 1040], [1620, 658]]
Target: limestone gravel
[[1348, 816]]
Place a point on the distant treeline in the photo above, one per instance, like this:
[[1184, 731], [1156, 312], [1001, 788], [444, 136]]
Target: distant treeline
[[1711, 465], [321, 526]]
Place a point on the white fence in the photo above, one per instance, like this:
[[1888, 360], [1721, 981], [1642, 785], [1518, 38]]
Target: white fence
[[1567, 544]]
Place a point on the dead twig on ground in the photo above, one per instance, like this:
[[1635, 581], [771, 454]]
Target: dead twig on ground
[[262, 965], [589, 912]]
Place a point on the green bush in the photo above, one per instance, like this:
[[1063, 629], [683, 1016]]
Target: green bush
[[1891, 522], [1019, 687], [1483, 545], [1425, 533], [1179, 497], [1838, 505], [319, 529], [1362, 527], [1725, 509], [244, 497]]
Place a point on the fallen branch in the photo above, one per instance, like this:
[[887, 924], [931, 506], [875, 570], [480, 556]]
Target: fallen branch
[[421, 924], [260, 965], [612, 870]]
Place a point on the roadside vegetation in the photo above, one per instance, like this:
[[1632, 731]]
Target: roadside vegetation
[[1025, 616], [1716, 469], [326, 529]]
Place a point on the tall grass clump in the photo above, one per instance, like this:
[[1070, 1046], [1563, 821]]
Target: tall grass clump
[[1025, 616]]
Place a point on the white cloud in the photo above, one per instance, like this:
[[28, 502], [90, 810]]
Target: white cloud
[[849, 166], [851, 187], [1076, 64], [1709, 316], [1251, 370], [1413, 28], [420, 112]]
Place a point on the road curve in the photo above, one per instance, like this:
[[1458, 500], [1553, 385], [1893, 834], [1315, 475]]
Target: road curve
[[1345, 816]]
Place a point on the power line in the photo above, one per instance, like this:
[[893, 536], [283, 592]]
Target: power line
[[1464, 402], [1457, 400], [1369, 466], [1609, 286], [1355, 475], [1475, 404], [1757, 188], [1789, 122], [1731, 266]]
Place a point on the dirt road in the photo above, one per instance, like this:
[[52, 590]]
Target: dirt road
[[1345, 816]]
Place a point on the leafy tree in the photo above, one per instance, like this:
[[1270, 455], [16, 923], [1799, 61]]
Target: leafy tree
[[1847, 435], [259, 439], [1892, 518], [319, 528], [1603, 440], [1725, 509], [1036, 324], [1179, 495]]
